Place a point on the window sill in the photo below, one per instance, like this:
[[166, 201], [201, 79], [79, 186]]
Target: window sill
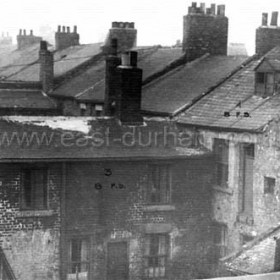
[[244, 218], [225, 190], [35, 213], [154, 208]]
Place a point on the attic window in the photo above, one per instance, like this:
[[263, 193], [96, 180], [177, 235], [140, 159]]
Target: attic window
[[267, 83]]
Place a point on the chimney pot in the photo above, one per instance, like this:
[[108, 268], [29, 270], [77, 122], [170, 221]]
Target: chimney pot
[[221, 10], [59, 28], [125, 57], [274, 19], [20, 32], [31, 32], [24, 32], [202, 7], [132, 25], [75, 29], [63, 29], [194, 4], [264, 19], [213, 9], [114, 24], [68, 29]]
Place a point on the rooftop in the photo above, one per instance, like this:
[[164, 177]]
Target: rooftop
[[90, 138], [233, 105]]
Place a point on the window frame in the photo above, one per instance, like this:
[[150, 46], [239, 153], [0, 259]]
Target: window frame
[[221, 162], [267, 186], [34, 205], [265, 88], [156, 258], [70, 262], [162, 193]]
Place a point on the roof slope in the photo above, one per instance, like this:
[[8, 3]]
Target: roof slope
[[257, 257], [25, 99], [180, 87], [23, 65], [90, 84], [69, 138], [235, 95]]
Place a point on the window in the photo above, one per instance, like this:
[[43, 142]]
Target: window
[[221, 151], [156, 255], [34, 191], [159, 184], [78, 265], [220, 240], [269, 185], [246, 172], [246, 238], [267, 83]]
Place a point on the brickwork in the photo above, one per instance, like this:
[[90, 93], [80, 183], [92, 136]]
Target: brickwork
[[204, 33], [120, 213], [64, 38], [31, 244], [25, 40]]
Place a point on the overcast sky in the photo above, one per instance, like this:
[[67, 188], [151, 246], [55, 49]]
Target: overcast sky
[[157, 21]]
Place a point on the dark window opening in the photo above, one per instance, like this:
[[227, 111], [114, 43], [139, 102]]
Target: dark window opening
[[269, 185], [159, 184], [267, 83], [156, 253], [78, 258], [247, 155], [34, 193], [246, 238], [221, 151]]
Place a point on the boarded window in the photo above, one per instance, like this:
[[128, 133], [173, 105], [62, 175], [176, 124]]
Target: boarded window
[[159, 184], [156, 255], [221, 151], [34, 191], [246, 169], [78, 264]]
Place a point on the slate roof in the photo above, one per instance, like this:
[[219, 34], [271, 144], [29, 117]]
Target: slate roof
[[90, 84], [27, 99], [179, 88], [256, 257], [87, 138], [23, 65], [235, 94]]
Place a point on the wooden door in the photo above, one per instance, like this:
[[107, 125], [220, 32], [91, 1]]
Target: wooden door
[[117, 261]]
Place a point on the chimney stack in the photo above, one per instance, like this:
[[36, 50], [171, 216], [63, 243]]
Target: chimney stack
[[46, 67], [267, 37], [125, 33], [25, 40], [128, 106], [66, 38], [205, 31], [111, 79]]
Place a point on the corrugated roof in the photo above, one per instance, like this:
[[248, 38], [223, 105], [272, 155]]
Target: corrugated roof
[[257, 257], [181, 86], [235, 95], [27, 99], [86, 138]]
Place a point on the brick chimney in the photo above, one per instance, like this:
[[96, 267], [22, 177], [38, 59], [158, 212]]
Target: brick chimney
[[111, 78], [46, 67], [125, 33], [64, 38], [267, 36], [24, 40], [6, 39], [205, 30], [128, 105]]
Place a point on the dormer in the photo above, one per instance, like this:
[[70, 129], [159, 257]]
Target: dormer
[[267, 77]]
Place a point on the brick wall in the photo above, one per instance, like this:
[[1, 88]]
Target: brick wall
[[31, 244], [266, 39], [204, 34], [123, 214]]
